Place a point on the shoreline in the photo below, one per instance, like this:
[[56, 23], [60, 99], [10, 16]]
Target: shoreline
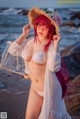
[[15, 104]]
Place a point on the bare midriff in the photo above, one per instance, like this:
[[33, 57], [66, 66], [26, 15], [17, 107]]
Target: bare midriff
[[37, 74]]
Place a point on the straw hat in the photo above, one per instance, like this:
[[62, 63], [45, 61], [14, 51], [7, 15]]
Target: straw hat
[[35, 12]]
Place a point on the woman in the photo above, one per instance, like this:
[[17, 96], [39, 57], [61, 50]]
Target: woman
[[42, 60]]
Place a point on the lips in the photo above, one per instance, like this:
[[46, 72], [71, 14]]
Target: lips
[[40, 33]]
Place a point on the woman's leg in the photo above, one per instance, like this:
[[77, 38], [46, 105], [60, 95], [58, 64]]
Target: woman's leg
[[34, 105]]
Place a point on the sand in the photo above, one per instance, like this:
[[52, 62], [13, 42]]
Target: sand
[[15, 105]]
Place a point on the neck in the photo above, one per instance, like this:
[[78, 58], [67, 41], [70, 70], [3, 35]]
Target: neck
[[43, 40]]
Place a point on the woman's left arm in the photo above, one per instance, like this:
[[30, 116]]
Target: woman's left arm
[[54, 58]]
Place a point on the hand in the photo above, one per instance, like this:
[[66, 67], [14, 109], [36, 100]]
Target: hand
[[26, 30], [26, 77], [56, 38]]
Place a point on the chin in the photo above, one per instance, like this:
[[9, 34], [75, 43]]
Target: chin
[[40, 35]]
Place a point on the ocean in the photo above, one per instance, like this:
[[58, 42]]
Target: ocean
[[11, 24]]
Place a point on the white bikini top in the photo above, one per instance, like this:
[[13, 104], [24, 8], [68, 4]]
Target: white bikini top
[[37, 56], [40, 57]]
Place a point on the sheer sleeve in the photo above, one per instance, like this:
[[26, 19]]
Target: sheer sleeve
[[16, 50], [54, 59], [28, 50]]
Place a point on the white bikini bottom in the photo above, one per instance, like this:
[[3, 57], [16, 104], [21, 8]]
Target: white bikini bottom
[[40, 93]]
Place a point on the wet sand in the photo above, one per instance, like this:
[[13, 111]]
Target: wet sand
[[15, 105], [75, 117]]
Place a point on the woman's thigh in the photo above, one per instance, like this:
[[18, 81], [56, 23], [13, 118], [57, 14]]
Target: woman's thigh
[[34, 105]]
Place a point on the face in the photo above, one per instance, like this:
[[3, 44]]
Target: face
[[42, 30]]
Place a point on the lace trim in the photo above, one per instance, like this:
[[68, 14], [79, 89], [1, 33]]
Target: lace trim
[[63, 115]]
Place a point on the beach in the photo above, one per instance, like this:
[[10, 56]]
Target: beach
[[15, 105], [14, 90]]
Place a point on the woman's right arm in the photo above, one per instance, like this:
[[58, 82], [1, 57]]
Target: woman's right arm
[[18, 45]]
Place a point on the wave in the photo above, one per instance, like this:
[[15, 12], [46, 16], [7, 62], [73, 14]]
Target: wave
[[74, 9], [11, 11], [6, 37], [14, 87], [72, 30], [3, 36], [12, 92]]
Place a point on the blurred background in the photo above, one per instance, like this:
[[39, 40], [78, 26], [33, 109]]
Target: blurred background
[[14, 90]]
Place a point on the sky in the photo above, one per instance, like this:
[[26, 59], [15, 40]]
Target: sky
[[37, 3]]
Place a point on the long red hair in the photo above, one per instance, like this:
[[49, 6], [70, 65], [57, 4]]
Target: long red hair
[[45, 21]]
